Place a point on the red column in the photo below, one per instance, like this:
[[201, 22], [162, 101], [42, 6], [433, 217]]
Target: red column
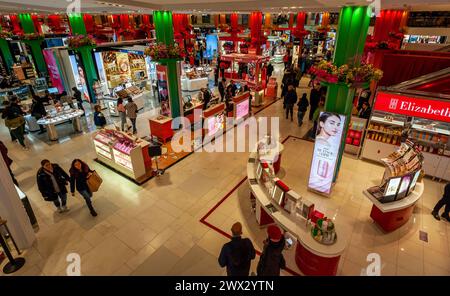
[[388, 21], [256, 30], [37, 24], [89, 23], [17, 29]]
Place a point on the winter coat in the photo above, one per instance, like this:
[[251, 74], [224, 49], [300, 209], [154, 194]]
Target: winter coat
[[237, 255], [78, 179], [45, 183], [291, 97], [271, 260], [303, 104], [99, 119], [38, 110]]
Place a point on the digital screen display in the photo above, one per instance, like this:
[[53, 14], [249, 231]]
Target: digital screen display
[[242, 109], [215, 124], [414, 182], [259, 171], [403, 191], [392, 186], [278, 194]]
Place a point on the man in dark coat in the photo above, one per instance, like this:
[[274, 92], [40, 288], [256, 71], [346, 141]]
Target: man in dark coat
[[289, 101], [237, 254], [314, 99], [52, 181]]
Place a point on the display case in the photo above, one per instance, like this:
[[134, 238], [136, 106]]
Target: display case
[[425, 121], [124, 153], [355, 135]]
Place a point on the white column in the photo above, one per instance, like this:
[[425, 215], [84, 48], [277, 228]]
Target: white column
[[12, 210]]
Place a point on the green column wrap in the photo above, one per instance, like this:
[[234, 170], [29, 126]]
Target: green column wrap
[[28, 28], [78, 28], [89, 68], [6, 51], [77, 24], [351, 37], [164, 34]]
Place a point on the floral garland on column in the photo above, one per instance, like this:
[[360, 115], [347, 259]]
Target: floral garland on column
[[78, 41], [160, 51]]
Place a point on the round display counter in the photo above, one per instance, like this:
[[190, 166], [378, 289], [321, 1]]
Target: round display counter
[[392, 215], [60, 117], [312, 257]]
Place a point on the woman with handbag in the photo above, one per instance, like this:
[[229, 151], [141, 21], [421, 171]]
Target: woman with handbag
[[79, 174]]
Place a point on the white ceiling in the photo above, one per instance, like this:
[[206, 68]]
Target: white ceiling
[[208, 6]]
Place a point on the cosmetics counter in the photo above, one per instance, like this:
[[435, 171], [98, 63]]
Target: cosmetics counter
[[319, 246], [139, 97], [195, 78], [401, 187], [124, 153], [58, 115], [424, 121]]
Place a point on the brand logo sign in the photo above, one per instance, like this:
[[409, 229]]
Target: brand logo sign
[[413, 106]]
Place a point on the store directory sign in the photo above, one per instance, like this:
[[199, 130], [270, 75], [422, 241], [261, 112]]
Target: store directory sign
[[326, 149]]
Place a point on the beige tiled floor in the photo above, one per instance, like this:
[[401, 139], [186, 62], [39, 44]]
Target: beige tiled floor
[[155, 229]]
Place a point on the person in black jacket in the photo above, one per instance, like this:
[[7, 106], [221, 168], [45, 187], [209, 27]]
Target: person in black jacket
[[365, 111], [302, 107], [79, 173], [222, 87], [52, 181], [237, 254], [445, 200], [15, 121], [272, 260], [289, 101], [77, 96], [314, 99], [38, 111]]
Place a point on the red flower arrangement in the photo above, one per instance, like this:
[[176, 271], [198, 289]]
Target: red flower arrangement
[[32, 36], [161, 51], [81, 40], [328, 72], [300, 33], [5, 34]]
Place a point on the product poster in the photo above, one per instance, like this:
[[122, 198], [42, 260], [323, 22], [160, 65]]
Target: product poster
[[326, 148], [163, 89], [53, 70], [242, 109], [123, 63], [79, 76]]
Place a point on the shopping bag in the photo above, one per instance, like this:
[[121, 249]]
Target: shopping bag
[[94, 181]]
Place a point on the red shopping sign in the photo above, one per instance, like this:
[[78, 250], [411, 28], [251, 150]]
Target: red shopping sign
[[413, 106]]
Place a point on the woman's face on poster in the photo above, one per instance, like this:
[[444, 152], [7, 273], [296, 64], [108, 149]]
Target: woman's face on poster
[[331, 125]]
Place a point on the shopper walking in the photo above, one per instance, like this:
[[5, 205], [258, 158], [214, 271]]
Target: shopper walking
[[302, 107], [314, 99], [132, 110], [237, 254], [272, 260], [77, 97], [289, 100], [316, 115], [444, 201], [52, 181], [38, 111], [79, 174], [15, 121], [222, 87], [99, 118], [122, 114], [8, 161]]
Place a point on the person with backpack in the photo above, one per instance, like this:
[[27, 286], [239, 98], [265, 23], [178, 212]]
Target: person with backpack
[[237, 254], [302, 107], [272, 261], [15, 121], [79, 174], [52, 181]]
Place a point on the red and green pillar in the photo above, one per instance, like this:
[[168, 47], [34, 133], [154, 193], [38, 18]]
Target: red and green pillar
[[351, 37], [78, 28], [164, 34], [28, 28]]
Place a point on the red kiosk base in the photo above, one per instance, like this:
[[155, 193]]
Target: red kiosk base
[[311, 264], [391, 221]]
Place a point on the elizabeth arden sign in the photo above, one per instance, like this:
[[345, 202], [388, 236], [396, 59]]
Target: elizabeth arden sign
[[413, 106]]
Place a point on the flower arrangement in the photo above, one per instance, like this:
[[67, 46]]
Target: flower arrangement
[[146, 27], [161, 51], [32, 36], [81, 40], [328, 72], [298, 33], [5, 34]]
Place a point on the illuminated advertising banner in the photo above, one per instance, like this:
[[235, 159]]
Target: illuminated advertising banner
[[53, 70], [163, 89], [413, 106], [326, 149], [79, 76]]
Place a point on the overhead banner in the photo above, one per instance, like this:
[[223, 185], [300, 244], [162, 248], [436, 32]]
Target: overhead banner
[[413, 106], [53, 70], [163, 89], [329, 133]]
